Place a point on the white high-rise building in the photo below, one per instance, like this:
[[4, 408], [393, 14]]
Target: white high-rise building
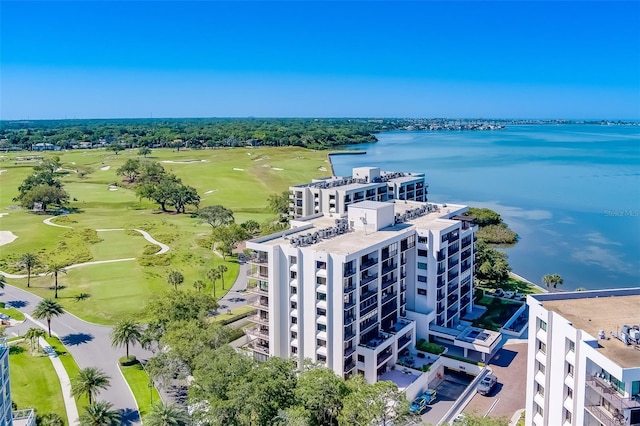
[[583, 363], [354, 291], [335, 194]]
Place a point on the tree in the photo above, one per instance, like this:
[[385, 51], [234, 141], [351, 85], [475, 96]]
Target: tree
[[251, 226], [380, 403], [89, 381], [475, 420], [182, 196], [126, 332], [215, 216], [222, 269], [213, 275], [162, 414], [321, 392], [49, 419], [484, 216], [166, 366], [144, 151], [175, 278], [33, 335], [45, 194], [229, 237], [101, 413], [175, 306], [47, 309], [199, 285], [130, 169], [55, 269], [552, 279], [115, 147], [279, 204], [28, 261]]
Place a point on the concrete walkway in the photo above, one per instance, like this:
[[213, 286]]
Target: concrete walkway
[[65, 384]]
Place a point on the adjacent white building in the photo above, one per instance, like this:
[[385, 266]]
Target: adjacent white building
[[584, 358], [354, 291], [335, 194]]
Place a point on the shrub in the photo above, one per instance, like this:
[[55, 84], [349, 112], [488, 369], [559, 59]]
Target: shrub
[[432, 348], [150, 249], [127, 361]]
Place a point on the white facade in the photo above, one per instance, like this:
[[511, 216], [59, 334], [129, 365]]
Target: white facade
[[578, 372], [353, 292], [335, 194]]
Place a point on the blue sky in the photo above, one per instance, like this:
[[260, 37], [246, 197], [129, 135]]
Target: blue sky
[[90, 59]]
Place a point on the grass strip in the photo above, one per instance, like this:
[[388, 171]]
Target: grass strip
[[139, 381], [70, 365]]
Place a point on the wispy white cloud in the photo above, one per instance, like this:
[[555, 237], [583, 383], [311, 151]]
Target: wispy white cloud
[[598, 238], [602, 257]]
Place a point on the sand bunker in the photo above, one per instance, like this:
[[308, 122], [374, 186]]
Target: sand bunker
[[322, 169], [276, 168], [184, 162], [113, 188], [2, 171], [7, 237], [211, 191], [3, 214], [105, 168], [237, 169]]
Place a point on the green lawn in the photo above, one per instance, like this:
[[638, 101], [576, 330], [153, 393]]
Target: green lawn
[[138, 381], [70, 365], [34, 383], [498, 312], [119, 289], [12, 312], [235, 313]]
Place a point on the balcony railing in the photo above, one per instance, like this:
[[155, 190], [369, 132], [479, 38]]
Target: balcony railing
[[26, 417], [349, 303], [260, 319], [388, 281], [368, 279], [259, 347], [606, 390], [465, 266], [367, 294], [349, 351], [388, 267], [261, 303], [388, 297], [453, 275], [604, 416], [368, 263], [384, 356], [348, 334], [349, 367], [403, 341], [262, 290], [258, 331], [349, 272], [389, 309]]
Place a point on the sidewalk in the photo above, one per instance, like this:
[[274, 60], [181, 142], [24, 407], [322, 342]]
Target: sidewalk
[[65, 384]]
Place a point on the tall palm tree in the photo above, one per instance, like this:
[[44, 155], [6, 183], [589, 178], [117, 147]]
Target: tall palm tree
[[55, 269], [199, 285], [213, 275], [162, 414], [174, 278], [3, 282], [100, 414], [89, 381], [33, 335], [47, 309], [28, 261], [222, 269], [126, 332]]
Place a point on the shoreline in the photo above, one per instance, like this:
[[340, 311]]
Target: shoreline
[[523, 279], [333, 173]]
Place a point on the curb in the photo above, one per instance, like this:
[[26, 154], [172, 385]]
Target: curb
[[130, 391]]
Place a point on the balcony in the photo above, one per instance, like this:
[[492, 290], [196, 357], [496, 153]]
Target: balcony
[[349, 288], [452, 263], [349, 333], [389, 309], [349, 367], [465, 266], [387, 297], [466, 254], [349, 272], [376, 341], [388, 280], [348, 351], [368, 278], [605, 389], [453, 248], [466, 241], [402, 341], [452, 275], [604, 416], [368, 324], [348, 319], [261, 303], [258, 331], [384, 356], [388, 267], [367, 263], [257, 346], [441, 256], [367, 294], [261, 289], [368, 308], [349, 303], [260, 319], [258, 272]]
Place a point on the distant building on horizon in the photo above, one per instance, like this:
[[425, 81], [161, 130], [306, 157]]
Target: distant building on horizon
[[583, 364]]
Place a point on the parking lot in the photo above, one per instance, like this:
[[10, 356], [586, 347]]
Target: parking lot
[[510, 366], [449, 390]]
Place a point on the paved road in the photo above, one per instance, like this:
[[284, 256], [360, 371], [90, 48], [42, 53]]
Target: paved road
[[90, 346], [237, 296], [510, 366]]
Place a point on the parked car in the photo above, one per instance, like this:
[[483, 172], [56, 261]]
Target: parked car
[[509, 294], [418, 405], [429, 395], [487, 384], [520, 296], [499, 292]]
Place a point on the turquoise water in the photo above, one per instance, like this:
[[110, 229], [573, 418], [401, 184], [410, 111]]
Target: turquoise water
[[572, 192]]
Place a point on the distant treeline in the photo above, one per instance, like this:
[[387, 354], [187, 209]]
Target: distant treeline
[[192, 133]]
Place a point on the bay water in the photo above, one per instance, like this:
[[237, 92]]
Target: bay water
[[571, 192]]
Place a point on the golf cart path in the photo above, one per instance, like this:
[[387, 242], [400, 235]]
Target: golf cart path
[[163, 249]]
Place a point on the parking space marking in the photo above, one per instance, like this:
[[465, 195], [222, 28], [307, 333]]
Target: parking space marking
[[492, 406]]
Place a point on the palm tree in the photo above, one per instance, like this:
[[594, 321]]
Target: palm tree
[[162, 414], [3, 282], [557, 280], [552, 279], [28, 261], [47, 309], [100, 414], [55, 269], [213, 275], [88, 382], [126, 332], [50, 419], [33, 335], [199, 285], [174, 278], [222, 269]]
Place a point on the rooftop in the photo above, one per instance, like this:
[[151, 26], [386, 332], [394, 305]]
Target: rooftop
[[354, 240], [596, 311], [349, 182]]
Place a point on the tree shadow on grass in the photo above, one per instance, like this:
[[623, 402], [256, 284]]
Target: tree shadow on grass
[[129, 416], [76, 339]]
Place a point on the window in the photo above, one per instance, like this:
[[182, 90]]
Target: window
[[321, 327], [422, 292], [293, 275], [321, 296], [538, 409], [293, 260], [541, 367], [322, 358], [542, 347], [422, 279], [568, 418], [294, 305], [294, 320], [360, 358], [293, 290], [321, 343], [423, 253], [294, 335], [321, 265], [539, 389], [321, 281], [422, 265], [569, 392], [294, 350], [570, 370], [542, 325], [423, 240], [572, 345], [320, 311]]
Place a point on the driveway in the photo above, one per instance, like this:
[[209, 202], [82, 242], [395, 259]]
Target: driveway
[[90, 346], [510, 366]]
